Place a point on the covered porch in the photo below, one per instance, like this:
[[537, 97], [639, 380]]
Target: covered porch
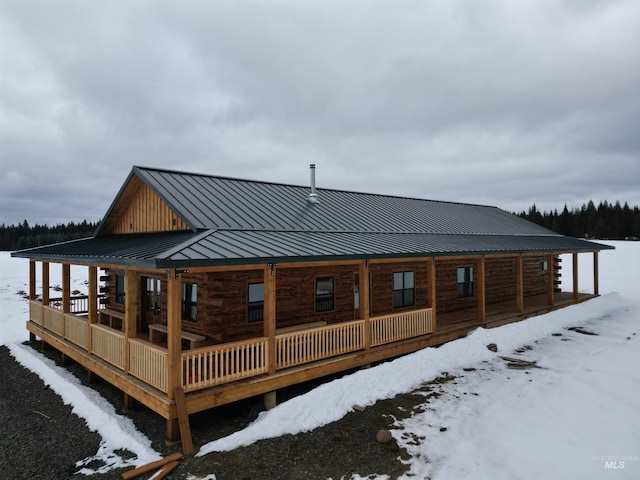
[[110, 344]]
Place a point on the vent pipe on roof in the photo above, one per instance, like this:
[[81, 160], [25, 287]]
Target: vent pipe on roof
[[313, 196]]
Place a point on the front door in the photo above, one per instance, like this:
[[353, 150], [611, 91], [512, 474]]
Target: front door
[[151, 301]]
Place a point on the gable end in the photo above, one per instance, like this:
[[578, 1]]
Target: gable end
[[139, 209]]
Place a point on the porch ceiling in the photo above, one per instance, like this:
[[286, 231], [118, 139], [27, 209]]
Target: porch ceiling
[[232, 247]]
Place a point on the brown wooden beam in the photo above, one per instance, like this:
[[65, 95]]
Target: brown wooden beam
[[482, 309], [433, 294], [174, 340], [270, 314], [45, 283], [520, 283], [365, 314], [596, 274], [575, 275], [32, 280], [550, 279], [92, 303], [130, 313], [66, 287]]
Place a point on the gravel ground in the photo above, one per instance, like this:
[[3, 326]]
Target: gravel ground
[[41, 439]]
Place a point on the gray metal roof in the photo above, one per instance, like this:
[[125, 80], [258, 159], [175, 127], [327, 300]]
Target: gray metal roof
[[242, 221], [232, 247], [209, 202]]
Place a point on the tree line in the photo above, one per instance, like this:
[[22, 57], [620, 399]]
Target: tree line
[[23, 235], [611, 221], [606, 221]]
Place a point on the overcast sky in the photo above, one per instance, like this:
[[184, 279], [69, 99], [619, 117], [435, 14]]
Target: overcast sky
[[497, 102]]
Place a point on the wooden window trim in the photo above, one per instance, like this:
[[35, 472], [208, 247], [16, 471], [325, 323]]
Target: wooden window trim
[[404, 290]]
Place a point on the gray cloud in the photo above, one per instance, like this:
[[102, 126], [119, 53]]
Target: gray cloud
[[497, 102]]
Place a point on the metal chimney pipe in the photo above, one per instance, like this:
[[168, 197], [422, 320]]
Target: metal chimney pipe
[[313, 196]]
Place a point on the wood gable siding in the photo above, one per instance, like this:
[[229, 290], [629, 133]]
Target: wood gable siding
[[139, 209]]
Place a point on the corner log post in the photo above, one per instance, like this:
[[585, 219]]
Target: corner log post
[[174, 350], [269, 279]]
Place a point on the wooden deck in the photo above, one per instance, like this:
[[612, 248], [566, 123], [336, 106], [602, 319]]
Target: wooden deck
[[220, 374]]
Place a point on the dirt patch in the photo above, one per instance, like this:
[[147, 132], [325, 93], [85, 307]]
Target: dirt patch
[[43, 439]]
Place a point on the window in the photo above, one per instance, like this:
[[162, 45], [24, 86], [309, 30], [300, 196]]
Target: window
[[356, 292], [465, 282], [120, 289], [190, 301], [544, 266], [324, 294], [255, 302], [403, 289]]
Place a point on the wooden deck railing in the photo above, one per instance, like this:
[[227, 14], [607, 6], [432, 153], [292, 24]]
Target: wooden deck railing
[[148, 362], [53, 320], [315, 344], [392, 328], [207, 366], [35, 311], [76, 329], [78, 303], [108, 344], [213, 365]]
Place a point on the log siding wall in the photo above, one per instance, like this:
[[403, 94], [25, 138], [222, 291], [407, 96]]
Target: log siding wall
[[381, 286], [222, 296]]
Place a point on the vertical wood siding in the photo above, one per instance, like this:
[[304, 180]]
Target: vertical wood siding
[[146, 212]]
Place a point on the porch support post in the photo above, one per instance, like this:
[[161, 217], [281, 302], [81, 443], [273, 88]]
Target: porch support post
[[92, 303], [130, 313], [45, 283], [66, 298], [482, 311], [575, 275], [550, 278], [596, 274], [520, 283], [365, 314], [32, 279], [66, 287], [433, 298], [270, 315], [174, 348], [32, 291], [45, 291]]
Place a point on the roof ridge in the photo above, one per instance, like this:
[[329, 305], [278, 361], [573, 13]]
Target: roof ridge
[[320, 189]]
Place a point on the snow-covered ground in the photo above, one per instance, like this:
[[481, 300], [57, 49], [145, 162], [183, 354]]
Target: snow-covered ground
[[575, 415]]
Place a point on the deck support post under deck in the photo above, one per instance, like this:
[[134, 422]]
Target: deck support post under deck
[[269, 400]]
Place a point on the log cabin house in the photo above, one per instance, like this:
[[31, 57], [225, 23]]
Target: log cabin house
[[218, 289]]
